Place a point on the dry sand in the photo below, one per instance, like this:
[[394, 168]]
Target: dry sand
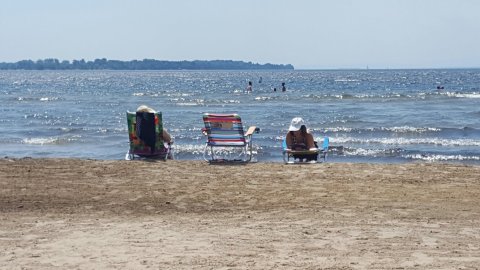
[[88, 214]]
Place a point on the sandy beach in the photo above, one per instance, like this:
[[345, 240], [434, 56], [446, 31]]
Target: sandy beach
[[92, 214]]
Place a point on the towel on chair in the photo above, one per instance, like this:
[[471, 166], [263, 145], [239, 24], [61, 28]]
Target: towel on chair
[[145, 126]]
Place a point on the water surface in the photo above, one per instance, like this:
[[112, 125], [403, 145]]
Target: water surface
[[370, 115]]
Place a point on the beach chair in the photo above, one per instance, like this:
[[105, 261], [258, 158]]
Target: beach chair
[[298, 156], [226, 141], [145, 131]]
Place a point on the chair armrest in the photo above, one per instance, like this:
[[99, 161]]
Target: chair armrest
[[252, 130]]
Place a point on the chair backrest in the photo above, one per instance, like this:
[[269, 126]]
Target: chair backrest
[[224, 129], [325, 144], [145, 133]]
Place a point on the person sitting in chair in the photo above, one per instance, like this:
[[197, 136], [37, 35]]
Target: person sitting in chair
[[166, 136], [299, 138]]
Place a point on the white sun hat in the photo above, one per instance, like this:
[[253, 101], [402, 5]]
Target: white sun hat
[[296, 124]]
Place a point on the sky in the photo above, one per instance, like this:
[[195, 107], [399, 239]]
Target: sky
[[309, 34]]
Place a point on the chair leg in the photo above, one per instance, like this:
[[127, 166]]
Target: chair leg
[[129, 156], [248, 153], [205, 152], [212, 153]]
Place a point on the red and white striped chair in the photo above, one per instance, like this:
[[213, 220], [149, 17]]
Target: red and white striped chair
[[226, 140]]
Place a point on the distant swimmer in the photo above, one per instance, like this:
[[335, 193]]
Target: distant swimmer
[[249, 87], [260, 80], [274, 89], [440, 87], [283, 87]]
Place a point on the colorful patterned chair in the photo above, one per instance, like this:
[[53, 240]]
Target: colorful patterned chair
[[145, 131]]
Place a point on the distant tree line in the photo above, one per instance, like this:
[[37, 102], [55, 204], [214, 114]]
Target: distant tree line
[[145, 64]]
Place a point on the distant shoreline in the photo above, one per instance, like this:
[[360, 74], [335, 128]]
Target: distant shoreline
[[145, 64]]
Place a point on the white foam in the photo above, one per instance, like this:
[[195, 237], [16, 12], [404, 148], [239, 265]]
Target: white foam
[[50, 140], [339, 129], [365, 152], [48, 98], [401, 129], [407, 141], [347, 80], [263, 98], [198, 149], [461, 95], [469, 95], [405, 129], [231, 101], [431, 157], [40, 141], [187, 104], [195, 149]]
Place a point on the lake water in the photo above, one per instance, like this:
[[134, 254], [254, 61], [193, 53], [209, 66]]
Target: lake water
[[385, 116]]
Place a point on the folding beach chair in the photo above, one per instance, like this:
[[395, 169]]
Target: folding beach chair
[[145, 133], [226, 141], [310, 156]]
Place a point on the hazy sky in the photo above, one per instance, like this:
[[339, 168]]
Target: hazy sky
[[304, 33]]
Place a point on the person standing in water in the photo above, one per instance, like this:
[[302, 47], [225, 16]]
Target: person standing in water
[[283, 87], [249, 87]]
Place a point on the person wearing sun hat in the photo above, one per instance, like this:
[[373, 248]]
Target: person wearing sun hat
[[298, 137]]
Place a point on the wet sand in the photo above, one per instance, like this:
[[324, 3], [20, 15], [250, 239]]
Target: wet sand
[[90, 214]]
